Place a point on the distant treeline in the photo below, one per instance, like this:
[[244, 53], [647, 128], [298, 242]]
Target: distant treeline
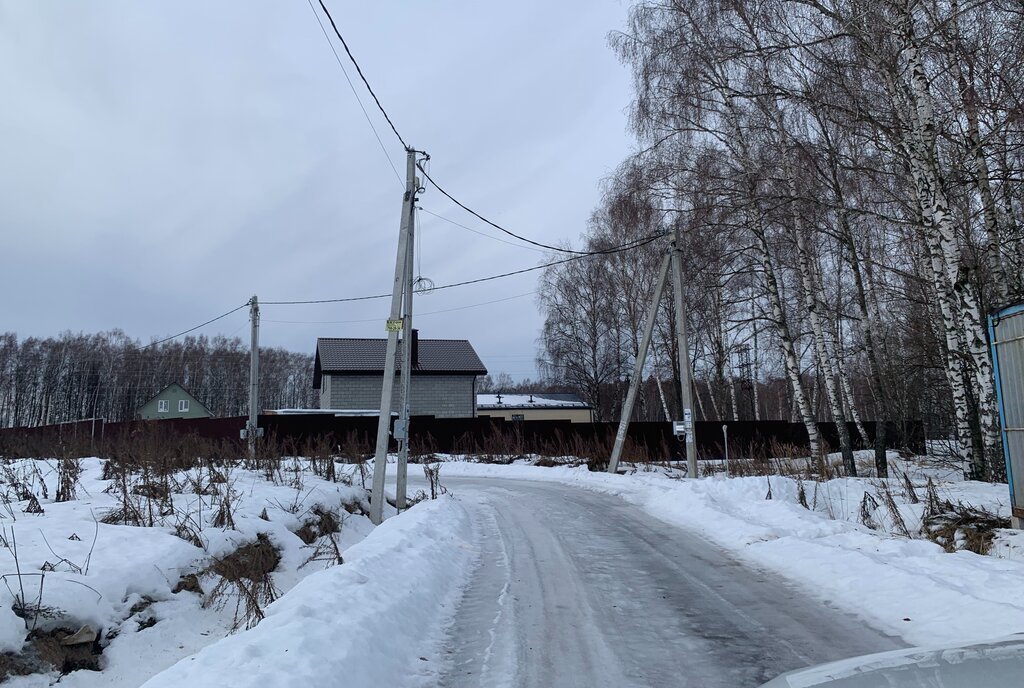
[[110, 375]]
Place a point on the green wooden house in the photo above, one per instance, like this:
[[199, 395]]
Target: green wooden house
[[173, 401]]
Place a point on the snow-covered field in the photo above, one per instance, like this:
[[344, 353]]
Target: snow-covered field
[[379, 618], [120, 580]]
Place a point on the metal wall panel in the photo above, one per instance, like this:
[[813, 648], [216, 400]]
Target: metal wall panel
[[1006, 332]]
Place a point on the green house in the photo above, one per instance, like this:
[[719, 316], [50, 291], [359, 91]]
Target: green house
[[173, 401]]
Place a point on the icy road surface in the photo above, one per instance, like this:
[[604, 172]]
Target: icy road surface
[[576, 588]]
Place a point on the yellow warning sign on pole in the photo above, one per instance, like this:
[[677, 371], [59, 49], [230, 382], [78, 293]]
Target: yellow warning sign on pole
[[394, 325]]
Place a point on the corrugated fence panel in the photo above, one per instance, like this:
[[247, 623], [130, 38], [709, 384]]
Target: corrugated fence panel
[[1007, 328]]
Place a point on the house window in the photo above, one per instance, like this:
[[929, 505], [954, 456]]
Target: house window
[[162, 406], [182, 405], [518, 416]]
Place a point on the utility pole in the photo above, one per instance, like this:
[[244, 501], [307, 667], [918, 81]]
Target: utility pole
[[638, 369], [393, 326], [684, 355], [402, 425], [252, 429], [685, 426]]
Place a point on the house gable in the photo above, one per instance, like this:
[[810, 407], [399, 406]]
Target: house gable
[[173, 401]]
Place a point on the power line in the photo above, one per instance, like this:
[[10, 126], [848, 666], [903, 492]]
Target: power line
[[495, 224], [361, 75], [406, 145], [616, 249], [418, 315], [483, 234], [193, 329], [315, 301], [352, 86]]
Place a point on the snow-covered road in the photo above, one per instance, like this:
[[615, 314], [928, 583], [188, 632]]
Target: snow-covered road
[[576, 588]]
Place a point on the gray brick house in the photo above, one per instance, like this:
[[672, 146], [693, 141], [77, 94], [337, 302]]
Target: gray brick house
[[349, 373]]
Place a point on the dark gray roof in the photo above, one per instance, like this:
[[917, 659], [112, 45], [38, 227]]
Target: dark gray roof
[[358, 356]]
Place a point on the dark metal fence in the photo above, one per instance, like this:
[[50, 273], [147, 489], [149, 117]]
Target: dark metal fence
[[651, 440]]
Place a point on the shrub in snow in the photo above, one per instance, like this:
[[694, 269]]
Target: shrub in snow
[[246, 573]]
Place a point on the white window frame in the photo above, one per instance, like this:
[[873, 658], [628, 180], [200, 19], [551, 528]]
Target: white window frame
[[182, 405], [163, 406]]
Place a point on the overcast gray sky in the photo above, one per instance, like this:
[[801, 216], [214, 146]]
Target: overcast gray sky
[[163, 161]]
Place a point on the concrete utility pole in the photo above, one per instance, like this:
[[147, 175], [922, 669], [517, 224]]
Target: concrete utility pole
[[402, 426], [252, 430], [638, 369], [393, 326], [683, 346], [684, 427]]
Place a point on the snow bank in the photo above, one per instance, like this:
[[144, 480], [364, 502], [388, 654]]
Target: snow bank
[[93, 571], [12, 630], [908, 587], [372, 621], [120, 578]]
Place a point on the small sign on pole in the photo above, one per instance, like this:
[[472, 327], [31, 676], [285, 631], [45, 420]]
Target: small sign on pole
[[393, 325]]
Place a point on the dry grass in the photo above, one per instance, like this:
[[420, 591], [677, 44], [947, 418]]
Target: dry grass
[[245, 573], [959, 526]]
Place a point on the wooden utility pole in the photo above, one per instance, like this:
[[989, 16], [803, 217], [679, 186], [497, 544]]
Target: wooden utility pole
[[393, 326]]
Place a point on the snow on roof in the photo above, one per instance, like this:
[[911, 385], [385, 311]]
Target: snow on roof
[[328, 412], [485, 401]]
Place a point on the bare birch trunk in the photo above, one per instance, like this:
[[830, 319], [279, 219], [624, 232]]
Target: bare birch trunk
[[732, 397], [825, 367], [954, 364], [756, 376], [714, 403], [825, 363], [700, 402], [791, 363], [982, 182], [940, 232], [874, 368], [851, 403]]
